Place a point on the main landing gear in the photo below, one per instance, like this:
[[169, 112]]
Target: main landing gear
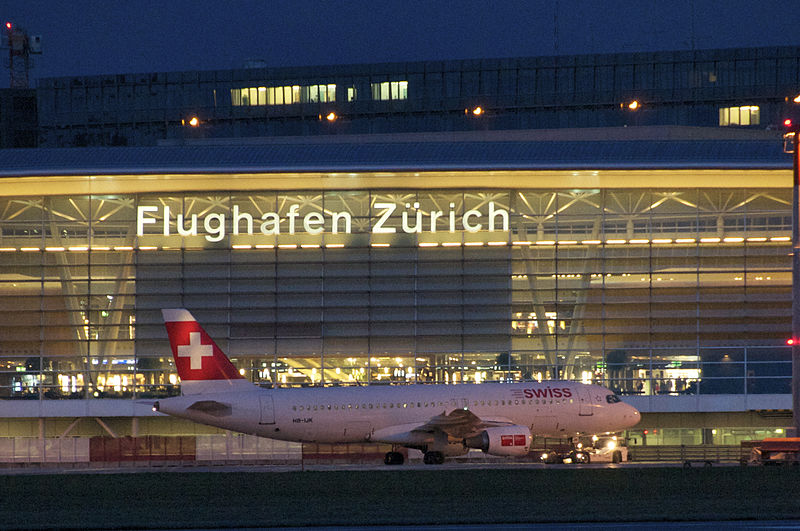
[[393, 458], [433, 458]]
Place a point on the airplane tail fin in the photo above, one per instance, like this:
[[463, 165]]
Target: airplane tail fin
[[201, 364]]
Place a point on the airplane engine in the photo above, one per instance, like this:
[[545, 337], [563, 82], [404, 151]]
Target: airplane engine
[[505, 440]]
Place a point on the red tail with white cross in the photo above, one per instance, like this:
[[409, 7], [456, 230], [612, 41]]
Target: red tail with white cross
[[197, 357]]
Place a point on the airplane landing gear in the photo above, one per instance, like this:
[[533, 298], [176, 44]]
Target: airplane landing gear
[[433, 458], [393, 458]]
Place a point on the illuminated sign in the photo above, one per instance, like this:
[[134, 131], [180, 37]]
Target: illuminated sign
[[158, 220]]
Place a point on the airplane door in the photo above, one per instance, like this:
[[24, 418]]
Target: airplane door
[[585, 400], [267, 410], [459, 403]]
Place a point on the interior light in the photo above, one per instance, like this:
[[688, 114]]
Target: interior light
[[477, 111], [193, 121], [634, 105], [331, 117]]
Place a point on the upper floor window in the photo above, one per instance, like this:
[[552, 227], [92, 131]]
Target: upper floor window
[[743, 115], [390, 90], [283, 95]]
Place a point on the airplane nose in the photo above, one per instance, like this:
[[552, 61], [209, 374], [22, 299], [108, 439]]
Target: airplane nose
[[632, 416]]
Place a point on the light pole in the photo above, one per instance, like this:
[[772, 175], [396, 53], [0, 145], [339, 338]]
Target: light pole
[[795, 143]]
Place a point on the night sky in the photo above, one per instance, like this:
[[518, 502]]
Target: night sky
[[113, 36]]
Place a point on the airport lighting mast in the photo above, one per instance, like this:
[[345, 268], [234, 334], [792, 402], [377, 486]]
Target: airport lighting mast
[[792, 145], [20, 47]]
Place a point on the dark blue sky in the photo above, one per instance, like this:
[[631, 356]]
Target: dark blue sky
[[114, 36]]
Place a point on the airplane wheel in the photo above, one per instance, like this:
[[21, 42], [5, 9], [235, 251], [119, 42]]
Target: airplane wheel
[[433, 458], [393, 458]]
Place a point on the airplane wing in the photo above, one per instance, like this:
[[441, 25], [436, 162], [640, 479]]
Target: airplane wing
[[460, 423]]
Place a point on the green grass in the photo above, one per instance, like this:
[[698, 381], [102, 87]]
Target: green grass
[[176, 499]]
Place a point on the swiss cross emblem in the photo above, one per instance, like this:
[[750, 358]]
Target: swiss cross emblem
[[195, 351]]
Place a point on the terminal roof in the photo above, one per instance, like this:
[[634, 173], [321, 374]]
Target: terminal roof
[[306, 155]]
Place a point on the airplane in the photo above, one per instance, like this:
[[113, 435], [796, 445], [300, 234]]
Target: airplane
[[441, 420]]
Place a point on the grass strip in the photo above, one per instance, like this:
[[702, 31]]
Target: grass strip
[[396, 496]]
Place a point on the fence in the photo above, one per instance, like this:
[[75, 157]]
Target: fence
[[32, 450], [203, 449], [683, 453]]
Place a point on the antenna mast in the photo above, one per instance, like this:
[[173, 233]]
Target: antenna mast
[[20, 47]]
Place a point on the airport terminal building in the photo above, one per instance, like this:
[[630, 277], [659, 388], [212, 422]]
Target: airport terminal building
[[658, 268], [623, 219]]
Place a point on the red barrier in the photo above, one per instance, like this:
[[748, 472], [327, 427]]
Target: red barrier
[[150, 448], [347, 452]]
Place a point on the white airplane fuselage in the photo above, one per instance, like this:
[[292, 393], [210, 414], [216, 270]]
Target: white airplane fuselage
[[390, 413], [440, 420]]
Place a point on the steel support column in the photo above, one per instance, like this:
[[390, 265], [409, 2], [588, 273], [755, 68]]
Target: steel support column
[[796, 283]]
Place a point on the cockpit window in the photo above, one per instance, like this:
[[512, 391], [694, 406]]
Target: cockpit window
[[612, 399]]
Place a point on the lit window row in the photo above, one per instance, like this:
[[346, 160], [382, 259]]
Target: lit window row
[[285, 95], [390, 90], [497, 243], [743, 115]]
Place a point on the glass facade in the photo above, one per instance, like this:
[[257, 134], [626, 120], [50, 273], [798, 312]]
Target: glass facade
[[745, 87], [646, 291]]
